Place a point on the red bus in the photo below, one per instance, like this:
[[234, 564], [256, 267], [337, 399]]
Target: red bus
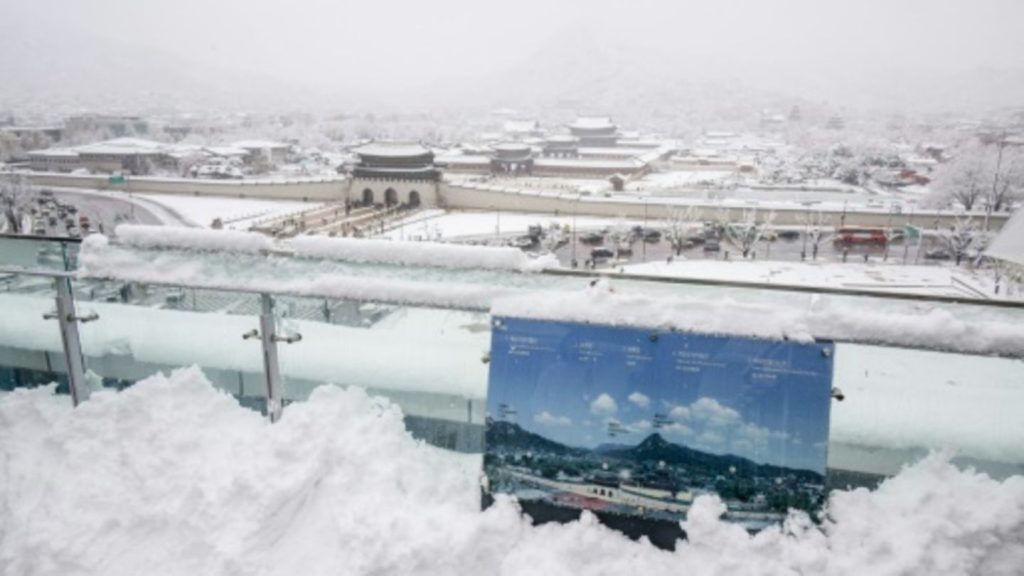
[[860, 235]]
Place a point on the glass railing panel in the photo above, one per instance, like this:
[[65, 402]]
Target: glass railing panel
[[431, 362], [35, 253], [899, 404], [143, 329], [31, 350]]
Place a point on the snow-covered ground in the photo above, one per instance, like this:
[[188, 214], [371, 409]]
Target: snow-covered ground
[[236, 213], [660, 181], [172, 477], [445, 225], [944, 280]]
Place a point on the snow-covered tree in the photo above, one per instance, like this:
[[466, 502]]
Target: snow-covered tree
[[815, 224], [961, 236], [15, 198], [749, 231], [980, 176], [679, 226], [621, 236]]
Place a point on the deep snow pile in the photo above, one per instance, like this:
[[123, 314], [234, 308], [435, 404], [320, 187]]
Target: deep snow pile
[[172, 477]]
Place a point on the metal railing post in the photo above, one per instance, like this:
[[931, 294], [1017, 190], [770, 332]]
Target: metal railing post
[[68, 322], [271, 370]]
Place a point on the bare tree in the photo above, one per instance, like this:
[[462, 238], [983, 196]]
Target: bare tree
[[815, 224], [981, 174], [15, 198], [679, 226], [749, 231], [1008, 179]]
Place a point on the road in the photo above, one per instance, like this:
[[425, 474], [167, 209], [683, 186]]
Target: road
[[106, 209]]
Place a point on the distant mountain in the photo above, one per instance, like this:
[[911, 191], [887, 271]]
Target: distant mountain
[[512, 435], [654, 448], [610, 447]]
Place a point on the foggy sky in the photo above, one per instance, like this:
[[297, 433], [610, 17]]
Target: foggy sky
[[847, 51]]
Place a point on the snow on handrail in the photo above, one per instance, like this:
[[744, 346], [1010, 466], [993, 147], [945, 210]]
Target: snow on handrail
[[929, 328], [432, 254], [188, 238]]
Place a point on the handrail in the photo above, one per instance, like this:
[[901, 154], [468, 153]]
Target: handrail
[[830, 290]]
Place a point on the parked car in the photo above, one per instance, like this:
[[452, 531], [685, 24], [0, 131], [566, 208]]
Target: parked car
[[938, 254]]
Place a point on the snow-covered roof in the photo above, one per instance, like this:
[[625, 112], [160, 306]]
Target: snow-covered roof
[[53, 153], [563, 139], [463, 159], [1009, 244], [258, 144], [393, 150], [226, 150], [124, 146], [628, 165], [512, 147]]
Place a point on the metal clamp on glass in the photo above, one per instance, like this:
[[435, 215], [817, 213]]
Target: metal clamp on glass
[[73, 318], [287, 339], [254, 333]]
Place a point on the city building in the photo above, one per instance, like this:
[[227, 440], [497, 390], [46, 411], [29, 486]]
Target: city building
[[395, 174], [595, 131], [512, 158], [273, 152]]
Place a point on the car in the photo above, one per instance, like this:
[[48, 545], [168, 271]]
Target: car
[[712, 246], [601, 254], [938, 254]]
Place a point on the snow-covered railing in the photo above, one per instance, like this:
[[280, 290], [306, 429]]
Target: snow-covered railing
[[186, 238], [449, 276], [924, 328], [439, 255]]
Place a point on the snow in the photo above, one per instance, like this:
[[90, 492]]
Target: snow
[[803, 320], [258, 144], [391, 150], [895, 278], [236, 214], [419, 254], [910, 400], [187, 238], [436, 275], [450, 225], [668, 180], [100, 260], [172, 477]]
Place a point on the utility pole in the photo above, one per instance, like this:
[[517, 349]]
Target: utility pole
[[643, 235], [575, 209], [995, 180]]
